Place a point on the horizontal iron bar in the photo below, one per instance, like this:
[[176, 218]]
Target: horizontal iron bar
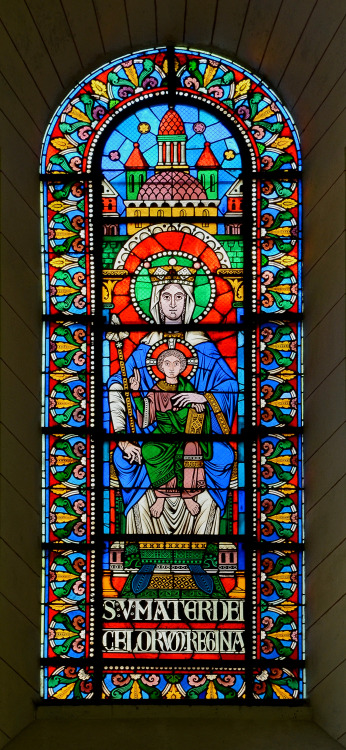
[[286, 175], [179, 666], [244, 539], [250, 431], [249, 320]]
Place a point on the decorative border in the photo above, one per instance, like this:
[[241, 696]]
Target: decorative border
[[110, 90]]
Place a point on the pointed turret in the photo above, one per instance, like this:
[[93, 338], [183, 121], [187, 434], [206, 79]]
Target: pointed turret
[[207, 174], [136, 172]]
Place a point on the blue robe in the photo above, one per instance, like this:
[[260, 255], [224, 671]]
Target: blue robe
[[213, 376]]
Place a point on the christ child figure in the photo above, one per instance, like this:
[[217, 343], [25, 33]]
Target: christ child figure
[[174, 463]]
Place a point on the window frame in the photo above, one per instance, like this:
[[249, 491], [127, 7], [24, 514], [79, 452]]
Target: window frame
[[92, 176]]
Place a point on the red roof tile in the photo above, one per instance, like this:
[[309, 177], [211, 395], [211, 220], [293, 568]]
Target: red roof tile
[[171, 124], [171, 185]]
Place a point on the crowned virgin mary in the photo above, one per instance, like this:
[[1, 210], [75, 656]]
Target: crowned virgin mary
[[182, 391]]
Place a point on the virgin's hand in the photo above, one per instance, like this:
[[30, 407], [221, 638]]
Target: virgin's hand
[[198, 407], [132, 453], [135, 380], [180, 400]]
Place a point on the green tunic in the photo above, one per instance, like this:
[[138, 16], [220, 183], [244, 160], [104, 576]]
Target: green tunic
[[164, 459]]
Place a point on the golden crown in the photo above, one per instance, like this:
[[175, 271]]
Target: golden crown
[[173, 273]]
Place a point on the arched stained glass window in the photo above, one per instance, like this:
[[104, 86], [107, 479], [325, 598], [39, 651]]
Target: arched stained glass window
[[171, 194]]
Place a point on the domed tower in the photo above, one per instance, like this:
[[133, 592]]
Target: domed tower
[[172, 142], [172, 191]]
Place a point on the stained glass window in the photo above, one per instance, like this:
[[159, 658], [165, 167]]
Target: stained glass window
[[172, 408]]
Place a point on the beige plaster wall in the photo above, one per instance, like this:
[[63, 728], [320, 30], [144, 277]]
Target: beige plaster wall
[[45, 49]]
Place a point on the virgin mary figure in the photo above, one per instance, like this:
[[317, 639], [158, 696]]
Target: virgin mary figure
[[179, 505]]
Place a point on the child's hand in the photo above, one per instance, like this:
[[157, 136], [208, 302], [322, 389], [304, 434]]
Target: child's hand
[[131, 452], [135, 380]]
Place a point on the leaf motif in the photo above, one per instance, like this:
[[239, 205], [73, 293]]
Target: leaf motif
[[254, 99], [58, 605], [62, 234], [99, 88], [263, 114], [60, 262], [287, 374], [57, 205], [287, 203], [78, 115], [280, 692], [282, 159], [61, 143], [135, 691], [59, 489], [280, 231], [287, 488], [272, 127], [287, 260], [242, 87], [282, 142], [283, 192], [287, 607], [60, 375], [228, 77], [61, 161], [64, 692]]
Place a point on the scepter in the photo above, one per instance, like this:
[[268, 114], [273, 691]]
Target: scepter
[[118, 338]]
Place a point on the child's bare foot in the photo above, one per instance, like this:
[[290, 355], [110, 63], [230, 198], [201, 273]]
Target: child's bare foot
[[192, 506], [157, 508]]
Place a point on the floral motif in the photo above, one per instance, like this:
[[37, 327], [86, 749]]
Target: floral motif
[[68, 288], [68, 577], [69, 682], [280, 684], [67, 401], [278, 635], [68, 460], [278, 460], [278, 401], [192, 83], [66, 233], [173, 685], [67, 611], [279, 289], [66, 633], [278, 514], [199, 127], [278, 347], [67, 515], [68, 347], [278, 577]]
